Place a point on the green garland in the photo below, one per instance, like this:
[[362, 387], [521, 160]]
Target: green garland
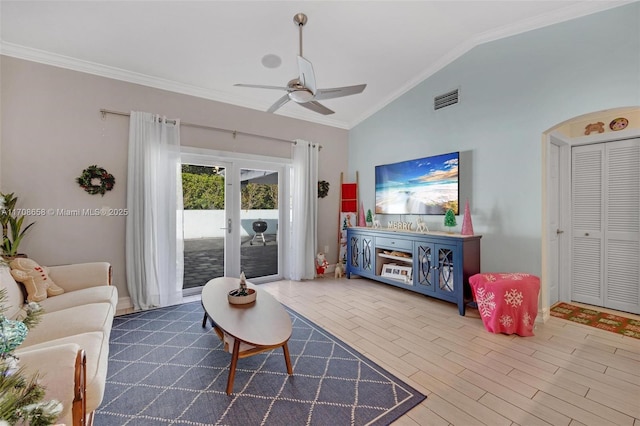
[[85, 180]]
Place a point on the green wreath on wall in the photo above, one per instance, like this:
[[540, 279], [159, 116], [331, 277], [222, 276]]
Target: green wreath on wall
[[323, 188], [90, 177]]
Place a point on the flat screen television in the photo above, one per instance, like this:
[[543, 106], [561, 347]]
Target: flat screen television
[[422, 186]]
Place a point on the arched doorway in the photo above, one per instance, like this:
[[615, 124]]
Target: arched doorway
[[557, 145]]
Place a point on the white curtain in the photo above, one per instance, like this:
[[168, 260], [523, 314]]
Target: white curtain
[[154, 244], [304, 221]]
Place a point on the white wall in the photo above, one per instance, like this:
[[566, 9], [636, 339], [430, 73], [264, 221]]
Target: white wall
[[52, 130], [511, 91], [210, 223]]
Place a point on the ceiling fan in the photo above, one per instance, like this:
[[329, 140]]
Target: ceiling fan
[[303, 88]]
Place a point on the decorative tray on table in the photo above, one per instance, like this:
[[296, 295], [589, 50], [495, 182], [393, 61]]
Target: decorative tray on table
[[237, 298], [242, 295]]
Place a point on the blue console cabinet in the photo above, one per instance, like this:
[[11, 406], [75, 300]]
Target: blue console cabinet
[[436, 264]]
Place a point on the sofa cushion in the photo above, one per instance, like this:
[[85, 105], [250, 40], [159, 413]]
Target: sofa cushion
[[96, 347], [81, 275], [70, 321], [56, 364], [104, 294], [14, 298], [35, 278]]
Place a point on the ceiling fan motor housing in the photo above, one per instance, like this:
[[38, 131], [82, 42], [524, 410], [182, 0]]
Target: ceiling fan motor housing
[[298, 92]]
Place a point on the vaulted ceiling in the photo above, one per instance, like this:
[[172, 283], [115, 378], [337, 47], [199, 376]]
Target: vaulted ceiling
[[203, 48]]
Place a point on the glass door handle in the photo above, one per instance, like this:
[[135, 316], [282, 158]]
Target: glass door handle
[[228, 228]]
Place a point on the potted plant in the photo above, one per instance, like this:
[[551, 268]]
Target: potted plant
[[12, 230]]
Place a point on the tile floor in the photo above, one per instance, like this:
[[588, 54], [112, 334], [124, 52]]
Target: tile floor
[[567, 374]]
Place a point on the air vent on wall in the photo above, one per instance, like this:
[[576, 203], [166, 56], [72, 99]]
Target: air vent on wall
[[445, 100]]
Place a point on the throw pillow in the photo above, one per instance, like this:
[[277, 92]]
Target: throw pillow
[[35, 292], [35, 279]]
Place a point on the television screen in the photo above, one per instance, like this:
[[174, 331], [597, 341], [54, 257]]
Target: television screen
[[422, 186]]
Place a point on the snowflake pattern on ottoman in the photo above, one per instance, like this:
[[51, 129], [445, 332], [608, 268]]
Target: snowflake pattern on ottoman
[[507, 301], [506, 320], [486, 303], [513, 297], [515, 276]]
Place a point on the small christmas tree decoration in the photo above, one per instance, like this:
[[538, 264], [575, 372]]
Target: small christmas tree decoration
[[243, 285], [241, 295], [369, 217], [450, 220], [467, 226], [21, 397]]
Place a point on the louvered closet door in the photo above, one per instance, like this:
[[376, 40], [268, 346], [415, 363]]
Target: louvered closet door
[[622, 226], [587, 208], [605, 205]]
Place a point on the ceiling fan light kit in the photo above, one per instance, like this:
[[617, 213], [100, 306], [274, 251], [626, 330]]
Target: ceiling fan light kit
[[302, 89]]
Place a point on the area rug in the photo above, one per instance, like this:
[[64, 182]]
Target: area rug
[[602, 320], [166, 369]]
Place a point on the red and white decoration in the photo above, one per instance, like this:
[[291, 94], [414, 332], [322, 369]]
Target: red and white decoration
[[507, 302]]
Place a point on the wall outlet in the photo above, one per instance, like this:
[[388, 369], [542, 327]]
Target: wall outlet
[[326, 249]]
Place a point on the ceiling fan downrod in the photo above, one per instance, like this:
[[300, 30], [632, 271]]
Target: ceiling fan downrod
[[300, 19]]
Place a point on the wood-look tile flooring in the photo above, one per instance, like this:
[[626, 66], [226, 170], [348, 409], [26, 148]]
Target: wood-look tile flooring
[[567, 374]]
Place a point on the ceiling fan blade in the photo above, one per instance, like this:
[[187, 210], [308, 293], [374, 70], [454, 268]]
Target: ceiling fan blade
[[260, 86], [317, 107], [338, 92], [307, 76], [283, 100]]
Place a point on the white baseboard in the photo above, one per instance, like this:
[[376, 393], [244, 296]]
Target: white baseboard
[[124, 306], [543, 315]]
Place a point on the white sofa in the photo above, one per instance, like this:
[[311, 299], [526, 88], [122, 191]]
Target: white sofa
[[69, 348]]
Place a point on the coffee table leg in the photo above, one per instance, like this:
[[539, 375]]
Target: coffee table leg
[[232, 368], [287, 360], [204, 320]]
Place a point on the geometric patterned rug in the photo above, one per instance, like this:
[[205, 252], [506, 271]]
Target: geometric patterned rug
[[602, 320], [166, 369]]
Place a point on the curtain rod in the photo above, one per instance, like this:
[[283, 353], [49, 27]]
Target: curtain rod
[[200, 126]]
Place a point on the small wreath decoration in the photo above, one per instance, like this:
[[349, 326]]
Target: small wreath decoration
[[323, 188], [89, 177]]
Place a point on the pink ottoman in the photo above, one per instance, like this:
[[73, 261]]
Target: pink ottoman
[[507, 302]]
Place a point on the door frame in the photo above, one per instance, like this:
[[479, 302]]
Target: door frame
[[558, 135], [235, 162]]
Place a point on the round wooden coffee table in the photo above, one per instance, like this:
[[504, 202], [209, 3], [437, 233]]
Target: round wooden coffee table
[[258, 326]]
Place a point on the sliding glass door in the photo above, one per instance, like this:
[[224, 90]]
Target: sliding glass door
[[259, 222], [232, 219]]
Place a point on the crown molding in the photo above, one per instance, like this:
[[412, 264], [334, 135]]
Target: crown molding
[[66, 62]]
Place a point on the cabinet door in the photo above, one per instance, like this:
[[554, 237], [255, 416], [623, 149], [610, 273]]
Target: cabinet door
[[355, 260], [446, 284], [367, 255], [426, 266], [360, 253]]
